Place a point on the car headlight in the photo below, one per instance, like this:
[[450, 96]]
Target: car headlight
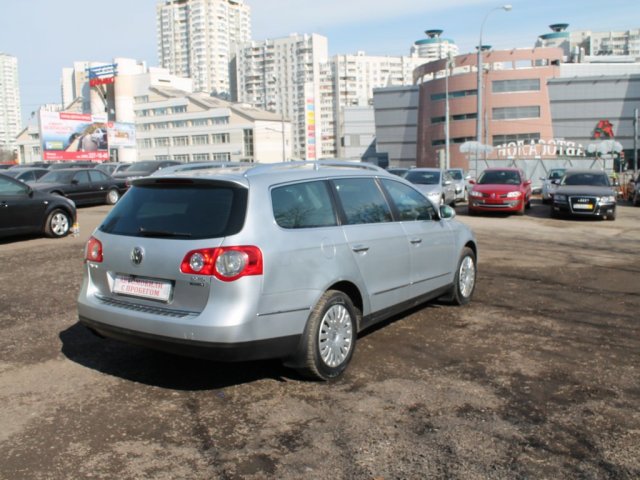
[[560, 198], [608, 199], [514, 194], [475, 194]]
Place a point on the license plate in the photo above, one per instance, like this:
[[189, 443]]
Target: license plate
[[583, 206], [142, 287]]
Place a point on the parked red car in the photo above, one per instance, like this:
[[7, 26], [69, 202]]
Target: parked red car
[[500, 189]]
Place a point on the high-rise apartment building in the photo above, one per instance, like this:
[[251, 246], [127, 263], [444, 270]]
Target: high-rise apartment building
[[434, 47], [291, 76], [9, 102], [197, 39], [586, 43]]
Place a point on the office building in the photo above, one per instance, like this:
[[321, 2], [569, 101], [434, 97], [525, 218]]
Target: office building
[[10, 113], [197, 39]]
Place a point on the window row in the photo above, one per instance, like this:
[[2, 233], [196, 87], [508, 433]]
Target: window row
[[184, 141], [518, 85], [194, 122], [512, 113], [455, 118], [456, 94], [353, 201], [197, 157]]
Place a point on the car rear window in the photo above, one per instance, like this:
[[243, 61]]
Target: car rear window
[[178, 210]]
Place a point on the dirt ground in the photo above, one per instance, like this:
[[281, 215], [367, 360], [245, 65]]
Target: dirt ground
[[539, 377]]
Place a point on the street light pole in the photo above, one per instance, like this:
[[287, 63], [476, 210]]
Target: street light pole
[[479, 139], [447, 152]]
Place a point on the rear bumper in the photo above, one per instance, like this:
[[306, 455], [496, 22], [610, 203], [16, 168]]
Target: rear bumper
[[279, 347]]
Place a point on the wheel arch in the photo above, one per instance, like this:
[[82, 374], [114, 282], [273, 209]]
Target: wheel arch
[[353, 292]]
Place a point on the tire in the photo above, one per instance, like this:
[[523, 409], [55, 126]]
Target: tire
[[528, 204], [611, 216], [113, 196], [464, 283], [58, 224], [329, 338]]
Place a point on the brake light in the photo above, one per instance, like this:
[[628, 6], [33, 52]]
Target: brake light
[[224, 263], [93, 251]]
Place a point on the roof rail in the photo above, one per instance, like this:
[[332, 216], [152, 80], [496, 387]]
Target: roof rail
[[314, 164]]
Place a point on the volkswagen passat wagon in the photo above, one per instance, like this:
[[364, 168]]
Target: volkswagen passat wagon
[[284, 261]]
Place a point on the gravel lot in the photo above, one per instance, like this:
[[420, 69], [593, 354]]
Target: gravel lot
[[539, 377]]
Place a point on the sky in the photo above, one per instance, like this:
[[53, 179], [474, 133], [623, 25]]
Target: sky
[[47, 35]]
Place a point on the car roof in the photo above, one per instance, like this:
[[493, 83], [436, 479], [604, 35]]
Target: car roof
[[275, 173], [584, 170], [502, 169]]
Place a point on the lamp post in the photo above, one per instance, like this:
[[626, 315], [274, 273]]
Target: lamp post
[[479, 139], [447, 152]]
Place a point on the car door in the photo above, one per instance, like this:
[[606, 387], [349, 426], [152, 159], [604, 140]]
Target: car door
[[431, 242], [80, 189], [20, 211], [378, 244], [100, 183]]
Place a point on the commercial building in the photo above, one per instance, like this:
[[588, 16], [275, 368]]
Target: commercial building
[[10, 113], [197, 40], [175, 125], [396, 124]]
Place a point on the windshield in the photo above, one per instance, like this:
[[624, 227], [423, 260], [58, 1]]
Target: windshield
[[594, 179], [11, 173], [455, 174], [142, 167], [179, 211], [57, 177], [423, 178], [499, 177], [556, 173]]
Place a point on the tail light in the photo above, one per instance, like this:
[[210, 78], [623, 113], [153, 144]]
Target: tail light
[[224, 263], [93, 250]]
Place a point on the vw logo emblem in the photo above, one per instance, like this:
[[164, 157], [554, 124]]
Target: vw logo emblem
[[137, 254]]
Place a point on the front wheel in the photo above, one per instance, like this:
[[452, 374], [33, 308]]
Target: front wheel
[[58, 224], [329, 338], [464, 282]]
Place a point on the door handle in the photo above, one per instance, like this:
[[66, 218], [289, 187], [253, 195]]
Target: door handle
[[360, 248], [415, 241]]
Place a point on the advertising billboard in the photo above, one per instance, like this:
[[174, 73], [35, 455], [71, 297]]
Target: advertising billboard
[[73, 136], [120, 134]]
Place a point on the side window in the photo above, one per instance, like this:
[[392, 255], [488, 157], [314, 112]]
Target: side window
[[303, 205], [411, 205], [97, 176], [8, 187], [81, 177], [362, 201]]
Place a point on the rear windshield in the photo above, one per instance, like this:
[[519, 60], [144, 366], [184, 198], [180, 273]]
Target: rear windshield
[[179, 211]]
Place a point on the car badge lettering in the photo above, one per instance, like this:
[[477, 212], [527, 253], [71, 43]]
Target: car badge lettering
[[137, 254]]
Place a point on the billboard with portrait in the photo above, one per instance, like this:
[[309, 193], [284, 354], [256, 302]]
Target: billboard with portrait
[[73, 136]]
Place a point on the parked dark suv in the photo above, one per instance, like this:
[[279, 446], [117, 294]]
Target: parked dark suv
[[287, 261]]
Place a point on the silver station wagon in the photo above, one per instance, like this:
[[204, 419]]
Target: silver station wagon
[[285, 261]]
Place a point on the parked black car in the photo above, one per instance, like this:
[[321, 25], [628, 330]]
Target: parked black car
[[110, 168], [584, 193], [24, 210], [143, 169], [26, 175], [76, 164], [85, 186]]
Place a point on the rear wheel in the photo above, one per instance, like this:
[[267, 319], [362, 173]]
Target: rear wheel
[[58, 224], [465, 280], [113, 196], [329, 338]]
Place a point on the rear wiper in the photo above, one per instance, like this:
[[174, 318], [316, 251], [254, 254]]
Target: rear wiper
[[162, 233]]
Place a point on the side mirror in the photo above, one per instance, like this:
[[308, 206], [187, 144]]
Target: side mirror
[[447, 212], [75, 181], [472, 181], [527, 183], [555, 182]]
